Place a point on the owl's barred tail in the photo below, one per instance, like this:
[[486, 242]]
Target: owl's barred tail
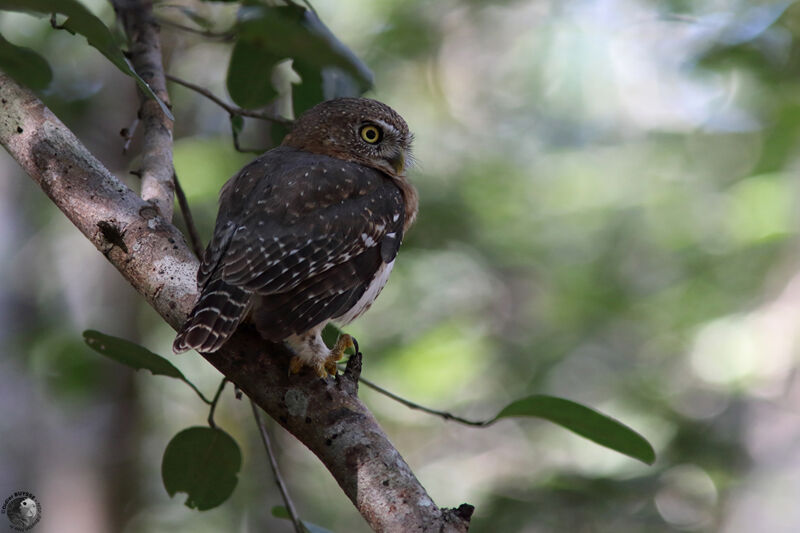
[[214, 318]]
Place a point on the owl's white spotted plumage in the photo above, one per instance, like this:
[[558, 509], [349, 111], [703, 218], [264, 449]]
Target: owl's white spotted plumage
[[308, 232]]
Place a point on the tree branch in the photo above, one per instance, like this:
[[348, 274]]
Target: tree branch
[[152, 255], [145, 53]]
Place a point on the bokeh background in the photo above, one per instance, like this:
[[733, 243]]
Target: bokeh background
[[609, 213]]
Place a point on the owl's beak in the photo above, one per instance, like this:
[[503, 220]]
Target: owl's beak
[[397, 160]]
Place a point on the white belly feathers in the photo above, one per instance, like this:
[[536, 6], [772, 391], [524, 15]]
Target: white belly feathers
[[372, 292]]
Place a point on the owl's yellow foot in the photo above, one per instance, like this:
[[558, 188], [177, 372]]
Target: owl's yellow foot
[[344, 342], [327, 366], [295, 365]]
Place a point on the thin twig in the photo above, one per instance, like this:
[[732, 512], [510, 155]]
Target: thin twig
[[412, 405], [298, 525], [224, 36], [238, 147], [231, 109], [307, 3], [214, 403], [194, 236], [195, 389], [128, 133]]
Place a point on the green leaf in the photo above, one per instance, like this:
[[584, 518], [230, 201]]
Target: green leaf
[[329, 334], [249, 78], [293, 31], [584, 421], [311, 91], [277, 132], [280, 511], [24, 65], [80, 20], [130, 354], [327, 67], [204, 463], [135, 356]]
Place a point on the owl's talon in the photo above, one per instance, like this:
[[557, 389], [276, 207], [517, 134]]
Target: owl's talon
[[327, 366], [295, 365], [330, 368], [321, 370], [344, 342]]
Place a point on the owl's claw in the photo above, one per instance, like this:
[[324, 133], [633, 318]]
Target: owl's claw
[[327, 366], [344, 342], [295, 365]]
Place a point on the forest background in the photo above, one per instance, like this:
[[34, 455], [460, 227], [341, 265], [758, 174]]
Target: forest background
[[609, 213]]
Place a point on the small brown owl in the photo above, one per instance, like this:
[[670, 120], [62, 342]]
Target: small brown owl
[[307, 233]]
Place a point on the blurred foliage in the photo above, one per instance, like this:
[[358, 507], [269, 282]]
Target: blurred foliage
[[79, 21], [25, 65], [609, 213]]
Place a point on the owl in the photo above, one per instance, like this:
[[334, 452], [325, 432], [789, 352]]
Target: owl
[[307, 233]]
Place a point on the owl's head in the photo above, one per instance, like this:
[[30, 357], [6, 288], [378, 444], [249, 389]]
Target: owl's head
[[355, 129]]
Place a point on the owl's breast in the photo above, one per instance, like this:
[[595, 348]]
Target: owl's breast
[[370, 294]]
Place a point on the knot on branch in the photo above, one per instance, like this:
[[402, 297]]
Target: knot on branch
[[459, 517], [112, 235], [347, 382]]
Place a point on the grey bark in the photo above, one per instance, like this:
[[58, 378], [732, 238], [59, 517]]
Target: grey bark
[[144, 47]]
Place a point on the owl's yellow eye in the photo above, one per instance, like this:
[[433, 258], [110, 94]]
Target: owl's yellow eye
[[371, 134]]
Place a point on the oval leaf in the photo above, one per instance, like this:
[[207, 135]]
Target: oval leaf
[[328, 68], [24, 65], [312, 89], [131, 354], [82, 21], [249, 78], [296, 32], [584, 421], [280, 511], [204, 463]]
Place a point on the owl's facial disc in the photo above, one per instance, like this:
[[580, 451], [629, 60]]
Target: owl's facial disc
[[355, 129], [387, 146]]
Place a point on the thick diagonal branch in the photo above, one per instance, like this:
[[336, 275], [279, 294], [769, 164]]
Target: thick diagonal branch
[[145, 53], [326, 415]]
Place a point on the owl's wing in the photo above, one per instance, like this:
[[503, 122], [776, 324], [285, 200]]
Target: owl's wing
[[309, 217], [303, 233], [221, 306]]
